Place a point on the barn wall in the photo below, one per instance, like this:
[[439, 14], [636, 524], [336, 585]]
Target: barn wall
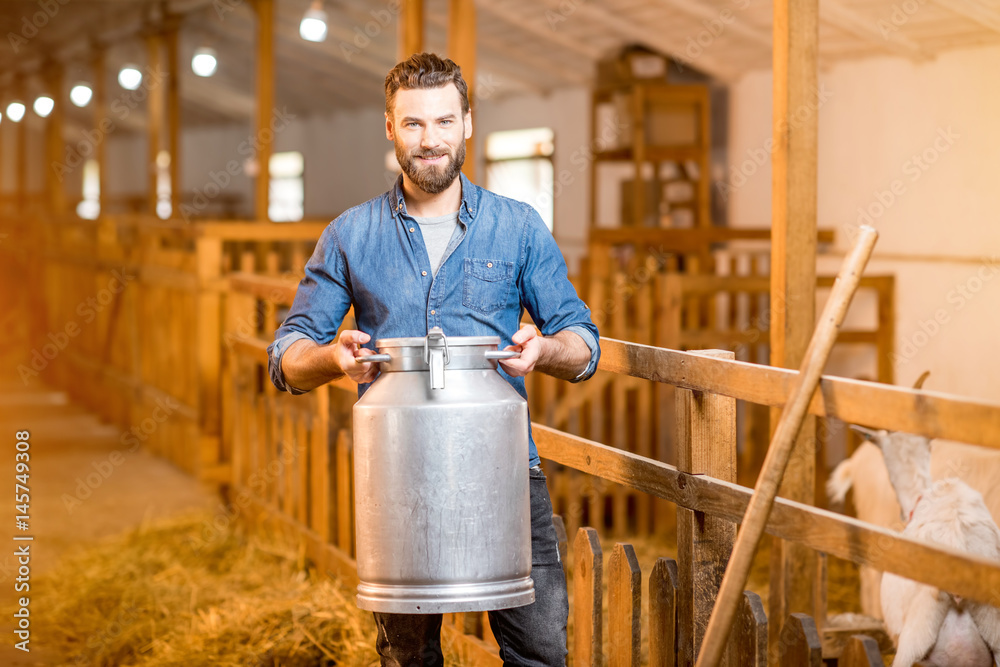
[[912, 149]]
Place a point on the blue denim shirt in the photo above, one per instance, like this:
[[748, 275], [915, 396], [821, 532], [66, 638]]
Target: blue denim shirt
[[501, 262]]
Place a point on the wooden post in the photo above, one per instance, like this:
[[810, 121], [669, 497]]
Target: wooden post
[[54, 140], [663, 592], [319, 465], [411, 29], [21, 156], [207, 340], [706, 445], [793, 271], [799, 644], [154, 114], [100, 100], [624, 607], [588, 650], [462, 49], [172, 23], [751, 632], [265, 104]]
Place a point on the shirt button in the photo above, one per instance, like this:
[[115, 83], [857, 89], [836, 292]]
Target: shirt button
[[411, 229], [489, 265], [423, 273], [433, 312]]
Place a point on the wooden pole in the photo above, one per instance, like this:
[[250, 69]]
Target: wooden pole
[[411, 29], [462, 49], [154, 47], [755, 518], [793, 275], [100, 100], [54, 146], [174, 111], [21, 156], [265, 103]]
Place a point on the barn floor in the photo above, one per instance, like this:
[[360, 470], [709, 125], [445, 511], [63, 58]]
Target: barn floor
[[78, 495]]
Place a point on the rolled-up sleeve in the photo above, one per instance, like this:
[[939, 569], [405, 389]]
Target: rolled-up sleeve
[[548, 295], [321, 301]]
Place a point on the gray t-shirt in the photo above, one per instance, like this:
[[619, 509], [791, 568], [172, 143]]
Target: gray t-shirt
[[437, 232]]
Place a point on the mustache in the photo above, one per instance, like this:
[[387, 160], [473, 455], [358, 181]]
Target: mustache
[[428, 153]]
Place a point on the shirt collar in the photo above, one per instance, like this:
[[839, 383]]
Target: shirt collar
[[470, 198]]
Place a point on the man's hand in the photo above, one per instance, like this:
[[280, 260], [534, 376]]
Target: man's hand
[[563, 355], [526, 341], [347, 349]]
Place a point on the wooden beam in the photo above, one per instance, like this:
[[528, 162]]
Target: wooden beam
[[868, 31], [975, 10], [793, 274], [174, 111], [704, 12], [537, 29], [265, 105], [100, 101], [21, 156], [411, 29], [154, 114], [462, 43], [55, 148]]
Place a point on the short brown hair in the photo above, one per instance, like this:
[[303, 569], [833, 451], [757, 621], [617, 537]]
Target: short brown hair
[[425, 70]]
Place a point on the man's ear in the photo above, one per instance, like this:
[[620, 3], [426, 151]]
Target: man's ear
[[468, 124], [388, 127]]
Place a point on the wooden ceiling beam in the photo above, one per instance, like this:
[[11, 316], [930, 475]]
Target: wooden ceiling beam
[[699, 10], [504, 13], [975, 10], [848, 20]]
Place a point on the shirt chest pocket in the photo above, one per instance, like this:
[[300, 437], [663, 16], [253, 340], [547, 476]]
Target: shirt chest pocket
[[487, 284]]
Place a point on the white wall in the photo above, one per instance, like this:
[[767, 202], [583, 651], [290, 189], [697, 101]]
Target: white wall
[[912, 149]]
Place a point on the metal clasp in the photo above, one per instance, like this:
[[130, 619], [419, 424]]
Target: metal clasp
[[437, 357]]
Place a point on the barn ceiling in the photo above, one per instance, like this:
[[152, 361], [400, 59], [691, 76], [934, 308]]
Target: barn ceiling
[[524, 45]]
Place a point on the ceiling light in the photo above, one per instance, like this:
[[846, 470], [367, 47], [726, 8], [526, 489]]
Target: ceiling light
[[43, 106], [129, 77], [81, 94], [313, 26], [15, 111], [204, 62]]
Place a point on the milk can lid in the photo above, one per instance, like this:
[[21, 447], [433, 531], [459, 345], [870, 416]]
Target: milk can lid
[[453, 341]]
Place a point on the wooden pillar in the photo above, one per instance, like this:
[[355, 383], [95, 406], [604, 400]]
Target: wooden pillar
[[706, 445], [265, 104], [411, 29], [21, 156], [462, 49], [54, 147], [794, 568], [174, 111], [100, 100], [154, 113]]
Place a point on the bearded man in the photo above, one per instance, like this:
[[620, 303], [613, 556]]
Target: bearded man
[[438, 251]]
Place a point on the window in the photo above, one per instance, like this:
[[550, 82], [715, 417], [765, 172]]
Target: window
[[287, 196], [90, 206], [519, 166]]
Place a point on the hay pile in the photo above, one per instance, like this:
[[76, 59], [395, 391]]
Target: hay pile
[[163, 595]]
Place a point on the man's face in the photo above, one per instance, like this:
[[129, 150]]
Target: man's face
[[429, 131]]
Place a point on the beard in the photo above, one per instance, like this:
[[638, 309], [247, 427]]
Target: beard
[[431, 178]]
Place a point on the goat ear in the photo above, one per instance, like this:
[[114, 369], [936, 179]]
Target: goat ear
[[868, 433], [919, 384]]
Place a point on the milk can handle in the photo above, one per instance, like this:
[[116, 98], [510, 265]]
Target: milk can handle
[[436, 358], [494, 355], [373, 359]]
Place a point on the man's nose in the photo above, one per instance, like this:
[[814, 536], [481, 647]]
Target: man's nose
[[430, 138]]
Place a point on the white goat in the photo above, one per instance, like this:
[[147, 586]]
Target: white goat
[[927, 623]]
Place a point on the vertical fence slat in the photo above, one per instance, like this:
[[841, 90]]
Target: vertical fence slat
[[706, 445], [663, 613], [799, 644], [345, 531], [624, 607], [319, 464], [861, 651], [750, 632], [588, 569]]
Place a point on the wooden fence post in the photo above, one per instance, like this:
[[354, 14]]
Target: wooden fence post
[[663, 613], [861, 651], [706, 445], [624, 607], [799, 644], [751, 632], [588, 650]]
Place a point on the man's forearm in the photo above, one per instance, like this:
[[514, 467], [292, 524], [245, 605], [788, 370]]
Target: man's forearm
[[564, 355], [307, 365]]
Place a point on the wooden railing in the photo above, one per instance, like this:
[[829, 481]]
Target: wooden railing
[[293, 467]]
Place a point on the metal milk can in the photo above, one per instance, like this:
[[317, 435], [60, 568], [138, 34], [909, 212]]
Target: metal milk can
[[441, 480]]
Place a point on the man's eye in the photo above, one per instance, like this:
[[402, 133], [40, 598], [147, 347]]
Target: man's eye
[[446, 122]]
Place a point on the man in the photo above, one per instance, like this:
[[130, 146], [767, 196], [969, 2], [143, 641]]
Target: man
[[436, 250]]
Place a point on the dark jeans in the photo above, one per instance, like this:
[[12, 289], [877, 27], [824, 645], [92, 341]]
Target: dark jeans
[[534, 634]]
